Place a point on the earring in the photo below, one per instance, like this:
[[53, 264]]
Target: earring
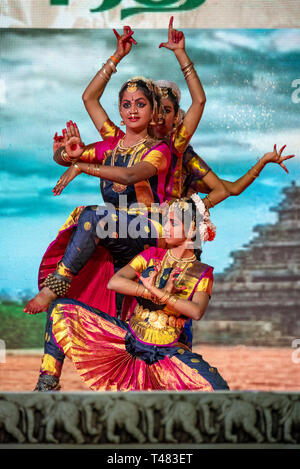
[[122, 122], [152, 122]]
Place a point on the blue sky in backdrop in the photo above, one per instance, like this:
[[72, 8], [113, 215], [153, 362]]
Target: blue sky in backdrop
[[247, 76]]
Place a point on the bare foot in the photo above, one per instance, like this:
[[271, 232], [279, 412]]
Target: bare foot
[[40, 302]]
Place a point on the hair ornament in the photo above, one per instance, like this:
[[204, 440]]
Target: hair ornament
[[206, 228]]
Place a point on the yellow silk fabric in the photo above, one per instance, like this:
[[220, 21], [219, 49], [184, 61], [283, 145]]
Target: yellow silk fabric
[[181, 138], [50, 365], [109, 129], [164, 326], [89, 154]]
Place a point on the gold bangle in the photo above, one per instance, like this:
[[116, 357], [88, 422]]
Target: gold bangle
[[189, 71], [186, 65], [65, 156], [111, 63], [172, 299], [137, 293], [210, 201], [102, 76], [190, 75], [164, 298], [77, 167], [147, 295]]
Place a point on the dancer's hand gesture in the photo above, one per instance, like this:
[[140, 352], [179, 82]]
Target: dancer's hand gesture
[[149, 282], [65, 179], [58, 141], [124, 43], [170, 286], [274, 157], [73, 143], [175, 38]]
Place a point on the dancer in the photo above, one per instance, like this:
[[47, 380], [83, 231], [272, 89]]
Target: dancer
[[178, 141], [134, 181], [191, 174], [163, 288]]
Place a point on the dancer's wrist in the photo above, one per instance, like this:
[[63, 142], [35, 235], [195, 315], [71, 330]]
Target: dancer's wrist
[[117, 56]]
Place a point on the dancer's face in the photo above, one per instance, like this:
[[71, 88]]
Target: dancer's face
[[135, 110], [163, 129], [174, 230]]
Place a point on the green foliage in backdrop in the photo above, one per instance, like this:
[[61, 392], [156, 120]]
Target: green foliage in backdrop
[[19, 330]]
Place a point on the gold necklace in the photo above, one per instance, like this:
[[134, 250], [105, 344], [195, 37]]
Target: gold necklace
[[181, 259], [122, 146], [117, 187], [173, 259]]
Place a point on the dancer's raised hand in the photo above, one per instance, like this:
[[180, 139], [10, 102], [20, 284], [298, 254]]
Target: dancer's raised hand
[[73, 143], [175, 38], [124, 42], [58, 141], [277, 157]]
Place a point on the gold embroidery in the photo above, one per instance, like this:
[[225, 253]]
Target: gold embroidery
[[63, 270], [156, 327], [87, 226]]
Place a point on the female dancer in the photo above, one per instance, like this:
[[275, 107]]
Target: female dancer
[[139, 182], [135, 170], [190, 173], [180, 138], [163, 288]]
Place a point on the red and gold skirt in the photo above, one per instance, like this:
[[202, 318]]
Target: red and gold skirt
[[108, 357]]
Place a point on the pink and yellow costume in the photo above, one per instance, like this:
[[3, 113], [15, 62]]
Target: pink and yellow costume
[[187, 169], [142, 352], [74, 253]]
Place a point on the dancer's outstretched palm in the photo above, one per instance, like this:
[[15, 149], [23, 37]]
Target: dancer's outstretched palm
[[274, 157]]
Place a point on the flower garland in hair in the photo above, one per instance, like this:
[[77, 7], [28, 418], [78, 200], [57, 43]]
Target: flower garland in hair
[[206, 228]]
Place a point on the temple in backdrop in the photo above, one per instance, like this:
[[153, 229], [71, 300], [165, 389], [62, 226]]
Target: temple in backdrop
[[256, 300]]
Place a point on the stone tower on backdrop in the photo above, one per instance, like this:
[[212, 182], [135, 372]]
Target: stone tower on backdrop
[[256, 300]]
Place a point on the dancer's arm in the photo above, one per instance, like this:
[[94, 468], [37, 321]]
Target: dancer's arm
[[96, 87], [238, 186], [204, 180], [176, 43], [124, 282], [156, 161]]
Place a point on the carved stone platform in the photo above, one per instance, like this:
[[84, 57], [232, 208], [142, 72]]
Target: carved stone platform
[[142, 419]]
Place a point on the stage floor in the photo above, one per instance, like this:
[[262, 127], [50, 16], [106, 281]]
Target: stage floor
[[243, 367]]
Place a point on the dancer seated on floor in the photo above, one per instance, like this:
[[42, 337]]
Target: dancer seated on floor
[[163, 288]]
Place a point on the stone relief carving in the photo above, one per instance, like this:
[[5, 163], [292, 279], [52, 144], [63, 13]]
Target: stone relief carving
[[144, 418]]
